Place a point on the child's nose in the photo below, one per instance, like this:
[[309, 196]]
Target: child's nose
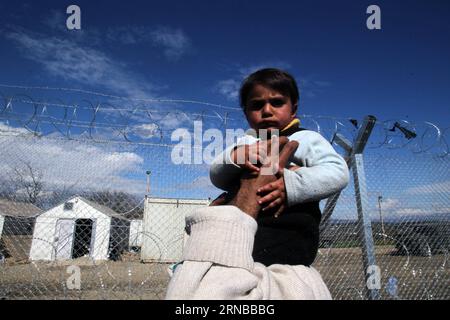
[[267, 109]]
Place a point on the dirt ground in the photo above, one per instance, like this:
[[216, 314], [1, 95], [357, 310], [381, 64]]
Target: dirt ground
[[402, 277], [98, 280]]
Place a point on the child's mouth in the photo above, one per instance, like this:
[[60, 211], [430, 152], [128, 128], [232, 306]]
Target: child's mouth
[[267, 125]]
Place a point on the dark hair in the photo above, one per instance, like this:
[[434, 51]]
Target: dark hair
[[274, 79]]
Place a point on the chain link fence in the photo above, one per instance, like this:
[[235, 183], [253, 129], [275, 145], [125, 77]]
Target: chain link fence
[[92, 204], [408, 206]]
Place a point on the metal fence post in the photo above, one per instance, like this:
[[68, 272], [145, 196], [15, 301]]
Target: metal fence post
[[364, 223], [354, 158]]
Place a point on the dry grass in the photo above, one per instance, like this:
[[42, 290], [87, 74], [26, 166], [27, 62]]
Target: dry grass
[[418, 277], [99, 280]]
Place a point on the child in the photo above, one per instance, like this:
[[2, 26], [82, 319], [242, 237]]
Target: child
[[217, 260], [288, 227]]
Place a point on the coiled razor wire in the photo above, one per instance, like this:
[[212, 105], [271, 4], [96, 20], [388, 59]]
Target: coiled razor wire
[[111, 142], [154, 121]]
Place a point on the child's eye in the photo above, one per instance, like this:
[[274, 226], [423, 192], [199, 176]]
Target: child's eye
[[278, 102], [255, 105], [259, 104]]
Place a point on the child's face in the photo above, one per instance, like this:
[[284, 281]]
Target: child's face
[[268, 109]]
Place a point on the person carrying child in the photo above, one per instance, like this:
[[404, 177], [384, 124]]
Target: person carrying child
[[288, 225], [217, 262]]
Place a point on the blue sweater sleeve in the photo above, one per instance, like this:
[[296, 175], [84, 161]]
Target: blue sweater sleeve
[[224, 173], [322, 171]]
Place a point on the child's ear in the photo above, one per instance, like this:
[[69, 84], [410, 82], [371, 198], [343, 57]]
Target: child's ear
[[245, 112]]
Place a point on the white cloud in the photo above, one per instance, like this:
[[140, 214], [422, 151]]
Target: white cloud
[[439, 209], [437, 187], [56, 20], [174, 42], [400, 208], [75, 62], [388, 208], [228, 88], [173, 120], [147, 130], [412, 211], [5, 129], [64, 162], [390, 203]]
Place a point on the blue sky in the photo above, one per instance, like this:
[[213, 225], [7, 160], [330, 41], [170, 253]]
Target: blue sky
[[201, 50]]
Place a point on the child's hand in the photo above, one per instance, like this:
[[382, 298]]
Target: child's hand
[[249, 157], [274, 194]]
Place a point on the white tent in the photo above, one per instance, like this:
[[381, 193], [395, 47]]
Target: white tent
[[163, 232], [77, 228]]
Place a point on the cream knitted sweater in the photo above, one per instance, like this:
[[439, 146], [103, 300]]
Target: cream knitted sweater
[[218, 263]]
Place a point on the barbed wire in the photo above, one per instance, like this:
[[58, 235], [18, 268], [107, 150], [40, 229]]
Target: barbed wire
[[105, 95], [155, 123], [398, 251]]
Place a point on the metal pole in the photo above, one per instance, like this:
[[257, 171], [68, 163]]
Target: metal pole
[[148, 181], [354, 159], [380, 198], [364, 223], [357, 147]]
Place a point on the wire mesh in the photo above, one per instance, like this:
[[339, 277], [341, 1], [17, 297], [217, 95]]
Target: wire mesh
[[78, 180]]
